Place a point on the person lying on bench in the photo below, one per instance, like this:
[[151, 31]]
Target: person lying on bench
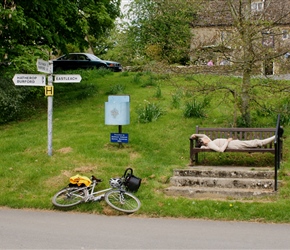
[[220, 145]]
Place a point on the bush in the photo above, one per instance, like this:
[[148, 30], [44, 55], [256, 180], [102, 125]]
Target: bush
[[158, 93], [150, 81], [149, 113], [196, 109], [20, 102], [285, 112], [116, 89], [137, 78], [176, 99], [11, 101]]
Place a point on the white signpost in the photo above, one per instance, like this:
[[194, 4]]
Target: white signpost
[[40, 80], [29, 80], [43, 66], [67, 78]]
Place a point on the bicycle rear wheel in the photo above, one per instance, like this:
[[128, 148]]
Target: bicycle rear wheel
[[122, 201], [69, 197]]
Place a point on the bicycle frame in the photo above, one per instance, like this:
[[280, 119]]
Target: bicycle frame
[[94, 196]]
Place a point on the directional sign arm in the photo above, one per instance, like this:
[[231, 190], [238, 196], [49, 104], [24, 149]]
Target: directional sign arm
[[29, 80], [67, 78], [43, 66]]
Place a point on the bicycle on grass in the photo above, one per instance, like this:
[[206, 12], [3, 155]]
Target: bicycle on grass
[[116, 196]]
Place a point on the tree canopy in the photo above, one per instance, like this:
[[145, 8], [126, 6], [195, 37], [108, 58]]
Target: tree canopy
[[33, 26], [34, 29], [160, 30], [252, 40]]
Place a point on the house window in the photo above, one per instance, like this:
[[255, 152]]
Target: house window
[[285, 34], [257, 6], [268, 39]]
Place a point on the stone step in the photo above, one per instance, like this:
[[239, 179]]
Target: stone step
[[241, 183], [226, 172], [217, 193], [215, 182]]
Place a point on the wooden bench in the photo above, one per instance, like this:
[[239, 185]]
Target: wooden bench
[[241, 134]]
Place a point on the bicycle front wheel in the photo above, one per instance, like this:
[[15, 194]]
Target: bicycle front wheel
[[69, 197], [122, 201]]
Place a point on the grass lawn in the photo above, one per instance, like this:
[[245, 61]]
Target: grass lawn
[[81, 145]]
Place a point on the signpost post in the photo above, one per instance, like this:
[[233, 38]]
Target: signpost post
[[49, 111], [40, 80]]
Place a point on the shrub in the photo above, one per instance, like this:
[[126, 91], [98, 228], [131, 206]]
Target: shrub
[[124, 73], [116, 89], [176, 99], [11, 99], [149, 113], [103, 72], [151, 81], [137, 78], [285, 112], [196, 109], [158, 93]]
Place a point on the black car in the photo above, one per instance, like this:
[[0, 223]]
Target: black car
[[84, 61]]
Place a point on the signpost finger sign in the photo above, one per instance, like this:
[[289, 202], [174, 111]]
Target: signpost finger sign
[[29, 80]]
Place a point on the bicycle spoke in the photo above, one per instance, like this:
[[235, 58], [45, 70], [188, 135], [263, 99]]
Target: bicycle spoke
[[122, 201], [68, 197]]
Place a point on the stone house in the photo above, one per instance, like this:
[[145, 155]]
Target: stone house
[[218, 28]]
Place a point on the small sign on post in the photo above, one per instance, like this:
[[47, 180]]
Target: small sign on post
[[49, 91], [43, 66], [120, 138]]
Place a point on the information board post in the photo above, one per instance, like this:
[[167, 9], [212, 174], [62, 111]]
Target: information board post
[[120, 132]]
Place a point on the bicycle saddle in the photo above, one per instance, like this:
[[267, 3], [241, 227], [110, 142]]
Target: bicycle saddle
[[96, 179]]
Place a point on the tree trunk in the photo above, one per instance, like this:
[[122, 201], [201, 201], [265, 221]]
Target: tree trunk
[[248, 60], [246, 82], [245, 98]]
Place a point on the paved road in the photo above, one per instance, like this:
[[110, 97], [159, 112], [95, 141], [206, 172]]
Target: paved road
[[30, 229]]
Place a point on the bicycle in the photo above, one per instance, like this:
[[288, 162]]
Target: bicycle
[[116, 196]]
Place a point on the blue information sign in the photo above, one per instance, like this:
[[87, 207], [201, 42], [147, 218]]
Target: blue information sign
[[121, 138]]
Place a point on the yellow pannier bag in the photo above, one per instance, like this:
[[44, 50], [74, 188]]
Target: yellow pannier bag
[[79, 180]]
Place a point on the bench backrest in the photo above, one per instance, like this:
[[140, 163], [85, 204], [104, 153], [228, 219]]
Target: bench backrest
[[237, 133]]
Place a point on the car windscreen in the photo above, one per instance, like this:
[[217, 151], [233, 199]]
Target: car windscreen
[[95, 58]]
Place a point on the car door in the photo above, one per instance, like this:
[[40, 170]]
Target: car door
[[82, 61], [67, 62]]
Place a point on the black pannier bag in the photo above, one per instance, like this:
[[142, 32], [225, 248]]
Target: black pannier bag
[[132, 182]]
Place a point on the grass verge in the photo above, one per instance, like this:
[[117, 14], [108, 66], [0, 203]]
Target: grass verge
[[81, 144]]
